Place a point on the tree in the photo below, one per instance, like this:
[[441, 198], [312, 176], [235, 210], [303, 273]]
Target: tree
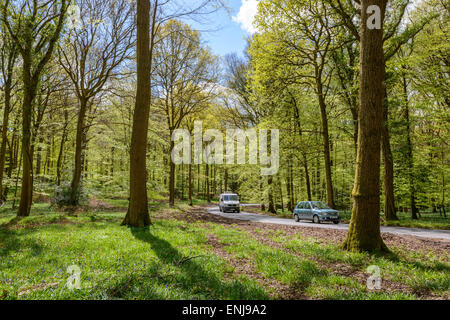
[[305, 55], [364, 230], [7, 62], [92, 56], [35, 29], [137, 214], [395, 36], [185, 77]]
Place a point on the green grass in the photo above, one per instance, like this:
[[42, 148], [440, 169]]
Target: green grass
[[173, 260], [302, 267], [115, 262]]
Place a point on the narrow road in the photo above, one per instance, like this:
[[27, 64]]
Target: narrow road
[[259, 218]]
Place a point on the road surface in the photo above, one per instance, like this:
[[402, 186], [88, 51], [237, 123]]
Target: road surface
[[259, 218]]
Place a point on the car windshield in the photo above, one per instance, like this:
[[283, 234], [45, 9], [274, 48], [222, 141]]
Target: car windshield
[[319, 205], [231, 197]]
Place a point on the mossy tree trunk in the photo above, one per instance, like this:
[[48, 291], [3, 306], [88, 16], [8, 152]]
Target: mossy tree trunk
[[36, 50], [26, 194], [364, 230]]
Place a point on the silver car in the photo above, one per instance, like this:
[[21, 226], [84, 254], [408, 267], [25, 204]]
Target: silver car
[[315, 211]]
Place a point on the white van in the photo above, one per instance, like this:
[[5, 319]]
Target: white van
[[229, 201]]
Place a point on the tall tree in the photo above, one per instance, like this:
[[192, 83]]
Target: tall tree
[[185, 77], [8, 57], [137, 214], [35, 28], [364, 230], [305, 55], [395, 36], [92, 56]]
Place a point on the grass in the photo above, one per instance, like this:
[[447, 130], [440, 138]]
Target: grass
[[310, 266], [115, 262], [174, 260]]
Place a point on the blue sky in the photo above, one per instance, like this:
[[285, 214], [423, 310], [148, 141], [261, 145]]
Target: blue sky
[[227, 31]]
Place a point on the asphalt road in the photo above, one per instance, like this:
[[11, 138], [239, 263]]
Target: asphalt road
[[259, 218]]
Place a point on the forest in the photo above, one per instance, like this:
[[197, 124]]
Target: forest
[[92, 94]]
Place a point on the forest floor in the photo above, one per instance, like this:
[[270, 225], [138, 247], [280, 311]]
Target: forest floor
[[190, 254]]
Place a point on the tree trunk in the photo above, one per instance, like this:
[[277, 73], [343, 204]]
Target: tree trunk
[[389, 201], [326, 145], [76, 179], [26, 194], [354, 112], [291, 175], [271, 207], [288, 190], [190, 183], [39, 157], [198, 179], [6, 111], [7, 90], [111, 171], [214, 180], [281, 194], [261, 190], [182, 181], [61, 148], [171, 177], [137, 214], [410, 160], [208, 196], [226, 180], [307, 181], [364, 230]]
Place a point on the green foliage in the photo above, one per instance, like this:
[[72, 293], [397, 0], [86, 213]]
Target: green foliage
[[63, 193]]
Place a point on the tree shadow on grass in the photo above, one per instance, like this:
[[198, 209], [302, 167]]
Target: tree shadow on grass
[[10, 241], [193, 277], [397, 259]]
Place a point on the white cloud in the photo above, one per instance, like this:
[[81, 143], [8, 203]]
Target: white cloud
[[246, 15]]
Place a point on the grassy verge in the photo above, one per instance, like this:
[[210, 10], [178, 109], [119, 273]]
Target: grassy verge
[[174, 259]]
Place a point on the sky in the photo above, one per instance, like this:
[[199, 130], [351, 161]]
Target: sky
[[226, 32], [234, 27]]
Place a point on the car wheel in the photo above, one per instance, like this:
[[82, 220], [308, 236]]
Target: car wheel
[[316, 219], [336, 221], [296, 218]]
